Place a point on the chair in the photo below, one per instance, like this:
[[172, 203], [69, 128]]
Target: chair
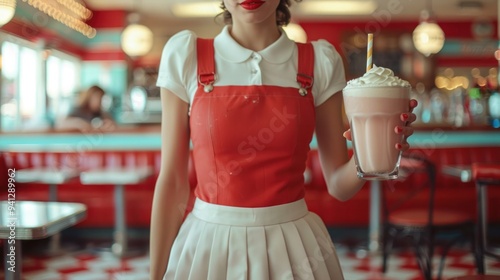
[[484, 175], [409, 214]]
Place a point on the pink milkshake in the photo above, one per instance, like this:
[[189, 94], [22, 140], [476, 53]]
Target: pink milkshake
[[374, 104]]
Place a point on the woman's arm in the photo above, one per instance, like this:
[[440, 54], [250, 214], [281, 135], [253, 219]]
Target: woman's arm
[[339, 171], [70, 123], [172, 187]]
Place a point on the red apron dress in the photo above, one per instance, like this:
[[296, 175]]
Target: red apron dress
[[250, 220]]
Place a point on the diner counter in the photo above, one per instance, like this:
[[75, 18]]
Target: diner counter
[[148, 138]]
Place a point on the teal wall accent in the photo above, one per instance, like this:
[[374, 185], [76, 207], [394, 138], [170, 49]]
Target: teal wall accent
[[109, 38], [110, 75], [479, 48], [152, 141]]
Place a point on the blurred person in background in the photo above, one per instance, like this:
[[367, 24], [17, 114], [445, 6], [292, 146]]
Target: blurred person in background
[[88, 114]]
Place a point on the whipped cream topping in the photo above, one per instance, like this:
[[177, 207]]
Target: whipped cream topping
[[378, 77]]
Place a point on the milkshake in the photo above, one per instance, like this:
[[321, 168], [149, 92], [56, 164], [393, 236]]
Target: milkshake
[[374, 104]]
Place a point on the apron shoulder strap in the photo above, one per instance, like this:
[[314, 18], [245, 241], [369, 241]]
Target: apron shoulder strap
[[206, 61], [305, 75]]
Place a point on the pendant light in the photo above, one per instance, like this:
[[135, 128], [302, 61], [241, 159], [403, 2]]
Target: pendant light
[[428, 37], [295, 32], [136, 39], [7, 10]]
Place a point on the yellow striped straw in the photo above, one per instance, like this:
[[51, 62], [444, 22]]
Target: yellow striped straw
[[369, 52]]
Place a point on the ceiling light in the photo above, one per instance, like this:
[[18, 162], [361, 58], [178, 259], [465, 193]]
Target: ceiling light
[[137, 40], [337, 7], [197, 9], [71, 13], [7, 10], [428, 37], [295, 32]]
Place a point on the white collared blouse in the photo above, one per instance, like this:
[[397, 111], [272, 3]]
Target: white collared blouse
[[235, 65]]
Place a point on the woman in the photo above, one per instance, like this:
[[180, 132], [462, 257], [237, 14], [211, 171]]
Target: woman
[[88, 113], [237, 99]]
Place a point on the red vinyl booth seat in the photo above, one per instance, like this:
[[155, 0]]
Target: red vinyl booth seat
[[486, 172], [450, 192]]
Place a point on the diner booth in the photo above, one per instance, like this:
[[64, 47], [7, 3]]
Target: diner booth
[[77, 200]]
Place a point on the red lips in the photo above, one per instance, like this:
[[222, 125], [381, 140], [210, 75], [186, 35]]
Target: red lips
[[251, 4]]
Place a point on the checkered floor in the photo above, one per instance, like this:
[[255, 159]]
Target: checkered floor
[[88, 265]]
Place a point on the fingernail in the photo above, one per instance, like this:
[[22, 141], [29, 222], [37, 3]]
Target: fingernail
[[405, 116], [399, 146], [399, 129]]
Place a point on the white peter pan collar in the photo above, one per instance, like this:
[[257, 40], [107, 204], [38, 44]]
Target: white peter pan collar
[[278, 52]]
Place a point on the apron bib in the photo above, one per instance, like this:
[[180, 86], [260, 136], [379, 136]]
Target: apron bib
[[250, 143]]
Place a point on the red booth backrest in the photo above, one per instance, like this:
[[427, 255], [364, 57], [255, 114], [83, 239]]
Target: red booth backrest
[[354, 212]]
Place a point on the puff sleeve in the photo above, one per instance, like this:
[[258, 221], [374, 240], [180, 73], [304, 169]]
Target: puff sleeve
[[178, 64], [329, 74]]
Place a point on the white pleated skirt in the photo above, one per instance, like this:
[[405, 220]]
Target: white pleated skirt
[[281, 242]]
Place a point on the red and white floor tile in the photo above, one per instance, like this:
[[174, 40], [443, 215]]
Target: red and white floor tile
[[87, 266], [403, 266]]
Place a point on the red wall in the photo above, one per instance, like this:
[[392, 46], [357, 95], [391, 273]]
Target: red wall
[[114, 20], [454, 30], [333, 32], [108, 19]]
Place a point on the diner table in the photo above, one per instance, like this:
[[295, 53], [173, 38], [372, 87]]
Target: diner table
[[465, 174], [29, 220], [52, 176], [47, 175], [117, 177]]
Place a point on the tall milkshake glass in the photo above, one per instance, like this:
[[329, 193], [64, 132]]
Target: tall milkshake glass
[[374, 104]]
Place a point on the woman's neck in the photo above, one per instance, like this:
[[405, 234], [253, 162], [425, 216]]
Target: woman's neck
[[255, 37]]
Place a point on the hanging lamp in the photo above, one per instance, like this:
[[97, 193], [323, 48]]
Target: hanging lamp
[[7, 11], [295, 32], [428, 37], [136, 39]]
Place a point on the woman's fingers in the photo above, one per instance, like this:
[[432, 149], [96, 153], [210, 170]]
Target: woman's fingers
[[413, 104], [404, 130], [408, 117], [402, 146]]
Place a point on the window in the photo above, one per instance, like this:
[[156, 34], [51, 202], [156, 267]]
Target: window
[[10, 82], [62, 82], [37, 85]]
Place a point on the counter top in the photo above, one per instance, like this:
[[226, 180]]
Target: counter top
[[148, 138], [156, 128], [128, 128]]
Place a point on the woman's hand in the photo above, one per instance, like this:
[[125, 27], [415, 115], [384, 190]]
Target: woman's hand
[[406, 130]]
